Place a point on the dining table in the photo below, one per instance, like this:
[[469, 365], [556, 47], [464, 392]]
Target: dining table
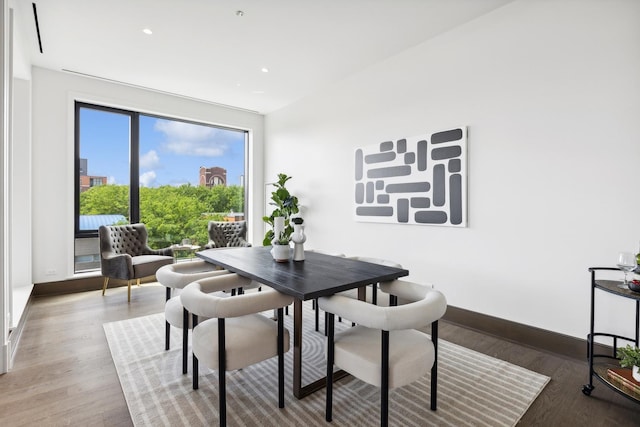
[[316, 276]]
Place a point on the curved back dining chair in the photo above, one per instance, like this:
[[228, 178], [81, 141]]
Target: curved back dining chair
[[371, 294], [384, 348], [176, 277], [235, 335]]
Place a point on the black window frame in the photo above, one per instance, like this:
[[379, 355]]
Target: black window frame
[[134, 155]]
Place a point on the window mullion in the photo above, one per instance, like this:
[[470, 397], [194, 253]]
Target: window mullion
[[134, 188]]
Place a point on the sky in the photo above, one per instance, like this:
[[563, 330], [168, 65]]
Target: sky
[[171, 151]]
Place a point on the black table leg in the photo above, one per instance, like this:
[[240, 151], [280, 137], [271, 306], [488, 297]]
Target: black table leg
[[300, 391]]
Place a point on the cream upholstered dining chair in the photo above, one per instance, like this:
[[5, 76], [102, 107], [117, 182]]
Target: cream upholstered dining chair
[[371, 293], [176, 277], [223, 234], [385, 349], [126, 255], [235, 335]]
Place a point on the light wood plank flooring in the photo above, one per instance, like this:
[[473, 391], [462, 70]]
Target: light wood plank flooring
[[64, 375]]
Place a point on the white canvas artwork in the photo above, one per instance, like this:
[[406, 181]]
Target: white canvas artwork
[[416, 180]]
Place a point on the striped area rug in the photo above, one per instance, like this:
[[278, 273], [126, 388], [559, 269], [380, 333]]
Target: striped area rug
[[473, 389]]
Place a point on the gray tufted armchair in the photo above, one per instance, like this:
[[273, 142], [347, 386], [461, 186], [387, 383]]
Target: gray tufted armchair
[[225, 234], [125, 254]]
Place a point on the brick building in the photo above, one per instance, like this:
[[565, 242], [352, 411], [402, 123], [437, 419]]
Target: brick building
[[88, 181], [210, 177]]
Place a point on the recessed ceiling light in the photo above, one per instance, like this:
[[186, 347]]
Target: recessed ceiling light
[[147, 31], [264, 69], [239, 13]]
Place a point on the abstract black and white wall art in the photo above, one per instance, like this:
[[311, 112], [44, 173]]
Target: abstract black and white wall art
[[417, 180]]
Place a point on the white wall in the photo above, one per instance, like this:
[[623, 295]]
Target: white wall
[[53, 155], [550, 92], [20, 199], [19, 196], [5, 96]]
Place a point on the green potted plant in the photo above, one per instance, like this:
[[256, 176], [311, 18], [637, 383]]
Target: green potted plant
[[630, 358], [282, 240], [286, 205]]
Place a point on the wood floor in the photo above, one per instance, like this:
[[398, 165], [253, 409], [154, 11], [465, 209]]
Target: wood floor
[[64, 375]]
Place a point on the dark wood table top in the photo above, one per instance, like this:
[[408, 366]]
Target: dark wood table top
[[318, 275]]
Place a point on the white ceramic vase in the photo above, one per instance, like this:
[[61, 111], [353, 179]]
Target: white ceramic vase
[[635, 373], [280, 253], [278, 227], [298, 237]]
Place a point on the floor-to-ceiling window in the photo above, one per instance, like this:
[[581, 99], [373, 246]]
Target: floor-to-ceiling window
[[173, 175]]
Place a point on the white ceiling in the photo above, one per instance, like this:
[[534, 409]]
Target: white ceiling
[[202, 49]]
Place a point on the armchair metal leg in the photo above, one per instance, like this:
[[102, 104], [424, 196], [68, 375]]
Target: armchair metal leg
[[185, 338], [104, 286], [167, 326], [167, 335], [195, 372], [222, 372], [129, 283], [280, 357], [329, 327], [326, 321], [195, 359], [434, 368], [384, 386], [393, 300]]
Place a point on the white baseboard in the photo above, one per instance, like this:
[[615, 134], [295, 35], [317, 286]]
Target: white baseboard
[[6, 358], [16, 333]]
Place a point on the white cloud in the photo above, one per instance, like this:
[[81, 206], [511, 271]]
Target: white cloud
[[173, 128], [192, 140], [147, 179], [149, 160], [191, 148], [111, 180]]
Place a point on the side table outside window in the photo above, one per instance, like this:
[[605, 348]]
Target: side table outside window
[[188, 250]]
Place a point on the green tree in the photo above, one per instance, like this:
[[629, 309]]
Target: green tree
[[236, 198], [105, 200], [170, 213]]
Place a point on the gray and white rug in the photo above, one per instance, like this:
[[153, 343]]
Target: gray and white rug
[[473, 389]]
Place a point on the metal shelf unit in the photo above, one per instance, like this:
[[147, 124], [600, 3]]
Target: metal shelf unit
[[599, 363]]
